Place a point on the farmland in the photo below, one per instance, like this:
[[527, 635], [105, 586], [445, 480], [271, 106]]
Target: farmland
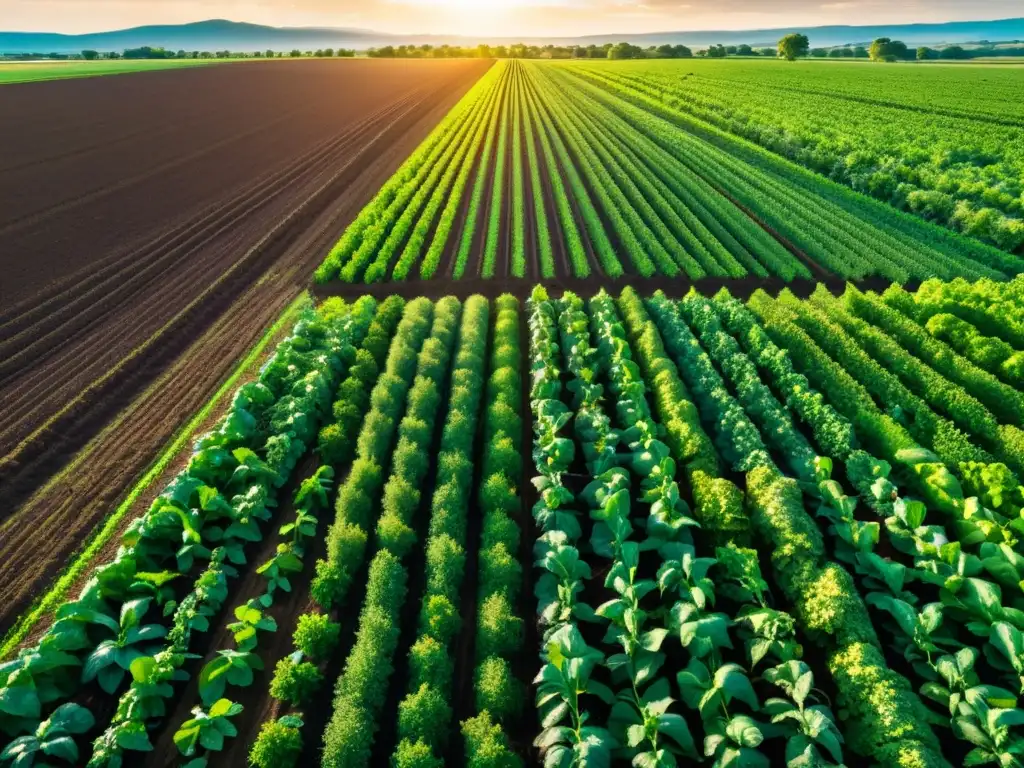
[[167, 289], [33, 72], [521, 182], [943, 142], [509, 413], [773, 530]]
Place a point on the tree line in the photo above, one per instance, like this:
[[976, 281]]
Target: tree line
[[885, 49], [791, 47]]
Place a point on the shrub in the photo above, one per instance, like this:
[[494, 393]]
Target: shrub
[[376, 344], [498, 495], [440, 618], [499, 630], [505, 356], [505, 384], [316, 636], [348, 739], [429, 664], [410, 460], [333, 578], [394, 535], [387, 395], [333, 446], [501, 417], [294, 682], [416, 431], [385, 583], [459, 433], [448, 511], [500, 572], [365, 368], [497, 689], [433, 360], [349, 416], [367, 670], [375, 436], [424, 399], [445, 563], [456, 467], [486, 745], [504, 458], [353, 392], [277, 746], [415, 755], [424, 715], [499, 528]]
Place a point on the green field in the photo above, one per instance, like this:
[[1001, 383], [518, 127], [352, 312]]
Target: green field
[[701, 442], [35, 71], [647, 167], [942, 141]]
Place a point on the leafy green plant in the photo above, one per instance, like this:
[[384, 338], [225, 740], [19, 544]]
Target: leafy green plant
[[110, 661], [52, 740], [207, 729], [234, 667], [809, 727], [564, 678]]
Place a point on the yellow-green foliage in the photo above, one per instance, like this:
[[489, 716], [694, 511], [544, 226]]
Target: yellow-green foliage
[[882, 717], [832, 606]]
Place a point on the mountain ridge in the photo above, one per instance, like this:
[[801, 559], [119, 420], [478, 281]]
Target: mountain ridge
[[220, 34]]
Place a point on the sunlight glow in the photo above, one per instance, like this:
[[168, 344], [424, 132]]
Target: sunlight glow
[[473, 17]]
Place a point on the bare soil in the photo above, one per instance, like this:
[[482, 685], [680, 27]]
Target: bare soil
[[197, 203]]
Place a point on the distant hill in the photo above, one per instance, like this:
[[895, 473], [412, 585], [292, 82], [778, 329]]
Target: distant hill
[[211, 35], [237, 36]]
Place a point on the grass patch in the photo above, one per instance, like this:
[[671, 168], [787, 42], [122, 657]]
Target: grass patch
[[57, 594], [35, 71]]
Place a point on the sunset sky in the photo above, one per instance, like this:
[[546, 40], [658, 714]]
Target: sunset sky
[[494, 17]]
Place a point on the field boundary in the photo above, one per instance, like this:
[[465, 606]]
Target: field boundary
[[56, 594]]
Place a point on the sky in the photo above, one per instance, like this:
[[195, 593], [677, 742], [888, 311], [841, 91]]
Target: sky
[[531, 18]]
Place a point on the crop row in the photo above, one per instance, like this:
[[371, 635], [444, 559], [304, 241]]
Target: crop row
[[619, 179], [126, 638], [889, 559], [940, 143], [824, 220]]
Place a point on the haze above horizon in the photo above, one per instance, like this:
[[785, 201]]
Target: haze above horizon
[[491, 18]]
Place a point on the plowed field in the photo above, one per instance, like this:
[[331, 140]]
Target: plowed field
[[134, 212]]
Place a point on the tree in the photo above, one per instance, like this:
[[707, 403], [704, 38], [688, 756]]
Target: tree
[[717, 52], [769, 52], [90, 55], [793, 46], [625, 51], [819, 53], [924, 53], [953, 52], [296, 53], [744, 50], [886, 49], [860, 52], [269, 54]]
